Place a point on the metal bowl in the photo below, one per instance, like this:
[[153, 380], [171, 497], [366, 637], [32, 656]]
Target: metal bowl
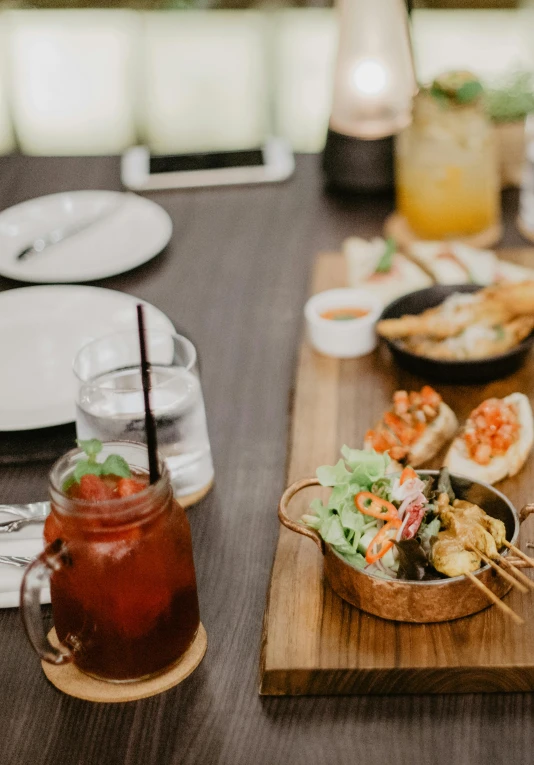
[[437, 600], [446, 371]]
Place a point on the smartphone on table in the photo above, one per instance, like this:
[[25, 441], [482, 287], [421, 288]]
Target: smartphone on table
[[142, 171]]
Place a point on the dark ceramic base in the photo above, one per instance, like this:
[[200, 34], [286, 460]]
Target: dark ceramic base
[[354, 164]]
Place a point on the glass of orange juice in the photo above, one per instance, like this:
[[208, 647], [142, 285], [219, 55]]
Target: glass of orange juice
[[447, 177]]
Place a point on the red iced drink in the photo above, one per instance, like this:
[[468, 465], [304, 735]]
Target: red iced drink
[[124, 596]]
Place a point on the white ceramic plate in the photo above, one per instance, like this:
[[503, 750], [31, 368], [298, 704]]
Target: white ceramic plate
[[131, 231], [41, 330]]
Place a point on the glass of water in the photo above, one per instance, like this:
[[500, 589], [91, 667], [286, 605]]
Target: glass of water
[[110, 405]]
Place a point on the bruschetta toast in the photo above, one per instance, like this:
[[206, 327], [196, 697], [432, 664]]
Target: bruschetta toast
[[381, 270], [496, 440], [457, 263], [415, 429]]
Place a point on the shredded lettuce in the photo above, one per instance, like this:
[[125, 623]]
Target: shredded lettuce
[[427, 532], [339, 522]]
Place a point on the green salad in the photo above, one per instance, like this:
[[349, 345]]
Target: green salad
[[377, 521]]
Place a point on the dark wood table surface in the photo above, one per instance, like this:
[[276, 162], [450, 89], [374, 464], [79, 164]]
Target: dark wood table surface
[[234, 279]]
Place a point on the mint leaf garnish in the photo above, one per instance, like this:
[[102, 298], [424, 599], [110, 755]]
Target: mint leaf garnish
[[68, 483], [116, 465], [86, 467], [91, 447], [468, 92], [386, 261]]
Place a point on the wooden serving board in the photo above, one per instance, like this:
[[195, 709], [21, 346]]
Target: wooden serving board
[[314, 642]]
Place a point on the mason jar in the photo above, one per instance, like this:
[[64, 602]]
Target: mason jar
[[447, 173]]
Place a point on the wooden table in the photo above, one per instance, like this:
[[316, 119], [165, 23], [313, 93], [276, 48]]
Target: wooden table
[[234, 279]]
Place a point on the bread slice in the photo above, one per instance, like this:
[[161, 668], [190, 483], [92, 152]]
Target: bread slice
[[511, 272], [362, 258], [458, 460], [455, 263], [436, 435]]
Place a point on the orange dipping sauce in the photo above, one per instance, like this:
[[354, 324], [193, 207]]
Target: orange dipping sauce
[[344, 314]]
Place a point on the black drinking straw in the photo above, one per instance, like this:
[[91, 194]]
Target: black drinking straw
[[150, 423]]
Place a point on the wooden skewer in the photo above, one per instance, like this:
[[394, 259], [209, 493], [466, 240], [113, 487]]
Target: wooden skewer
[[516, 562], [519, 552], [505, 575], [519, 574], [494, 599]]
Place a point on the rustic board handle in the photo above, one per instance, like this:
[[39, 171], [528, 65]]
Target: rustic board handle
[[525, 512], [287, 496]]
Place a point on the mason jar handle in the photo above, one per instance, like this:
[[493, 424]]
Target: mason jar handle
[[37, 575]]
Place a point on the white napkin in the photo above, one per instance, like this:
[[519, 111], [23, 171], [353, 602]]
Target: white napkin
[[28, 542]]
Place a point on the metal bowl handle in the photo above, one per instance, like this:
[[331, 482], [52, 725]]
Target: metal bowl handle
[[525, 512], [287, 496]]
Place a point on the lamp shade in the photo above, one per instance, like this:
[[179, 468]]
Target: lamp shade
[[374, 81]]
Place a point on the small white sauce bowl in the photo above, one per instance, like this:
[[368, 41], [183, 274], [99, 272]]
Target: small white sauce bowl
[[342, 339]]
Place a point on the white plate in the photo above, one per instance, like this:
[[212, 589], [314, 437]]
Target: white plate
[[131, 231], [41, 330]]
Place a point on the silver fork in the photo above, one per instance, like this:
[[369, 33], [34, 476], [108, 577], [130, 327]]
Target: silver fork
[[34, 512], [15, 560], [19, 523]]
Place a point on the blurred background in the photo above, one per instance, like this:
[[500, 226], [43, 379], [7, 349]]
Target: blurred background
[[80, 77]]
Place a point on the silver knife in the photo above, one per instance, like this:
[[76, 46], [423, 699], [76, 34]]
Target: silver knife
[[58, 235], [33, 510]]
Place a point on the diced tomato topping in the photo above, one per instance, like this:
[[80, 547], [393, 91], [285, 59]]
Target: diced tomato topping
[[491, 430], [93, 488], [430, 396], [405, 422], [398, 453], [401, 402], [381, 440], [128, 486]]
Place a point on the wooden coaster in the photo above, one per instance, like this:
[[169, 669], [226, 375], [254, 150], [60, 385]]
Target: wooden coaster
[[192, 499], [398, 227], [72, 681]]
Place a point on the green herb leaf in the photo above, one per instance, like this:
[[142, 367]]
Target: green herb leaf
[[386, 261], [367, 466], [68, 483], [444, 484], [355, 559], [114, 464], [334, 534], [428, 533], [339, 495], [412, 560], [469, 92], [382, 488], [352, 519], [91, 447], [439, 95], [511, 99], [499, 332], [86, 467], [331, 476]]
